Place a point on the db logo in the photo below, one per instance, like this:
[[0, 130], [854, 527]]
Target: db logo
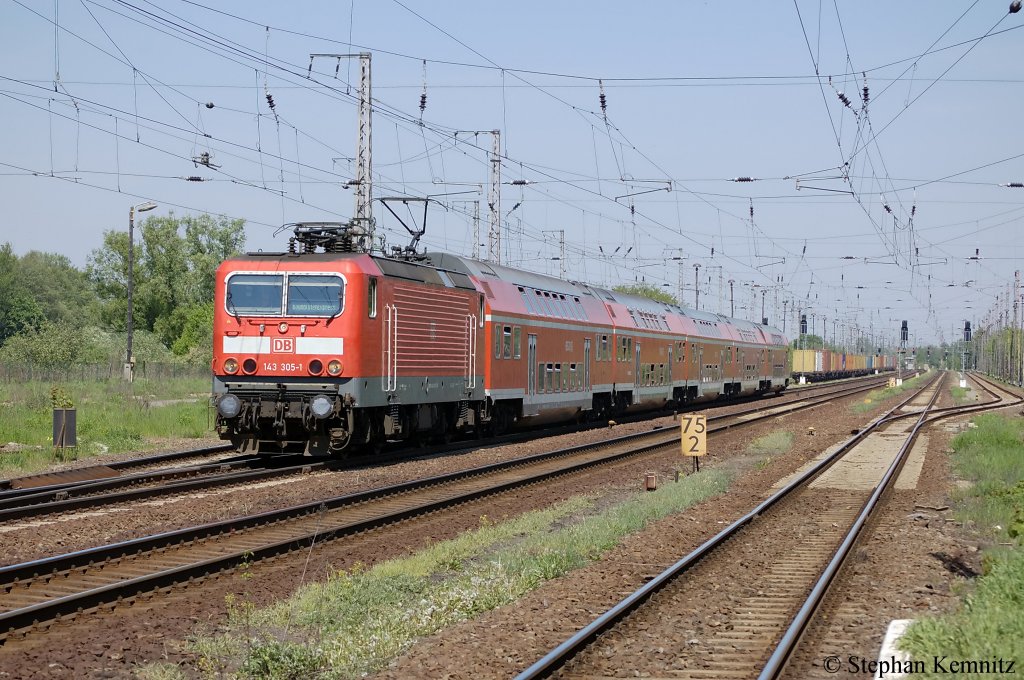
[[282, 345]]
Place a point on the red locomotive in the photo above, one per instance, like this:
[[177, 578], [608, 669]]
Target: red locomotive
[[322, 348]]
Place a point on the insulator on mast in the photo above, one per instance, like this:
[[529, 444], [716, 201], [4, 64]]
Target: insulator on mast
[[423, 95]]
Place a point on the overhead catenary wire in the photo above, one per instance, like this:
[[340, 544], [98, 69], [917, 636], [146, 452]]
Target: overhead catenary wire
[[560, 181]]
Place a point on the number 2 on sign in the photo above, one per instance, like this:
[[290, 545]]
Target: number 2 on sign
[[694, 432]]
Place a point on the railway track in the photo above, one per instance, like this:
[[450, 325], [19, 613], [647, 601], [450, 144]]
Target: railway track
[[89, 473], [810, 630], [35, 594], [774, 565], [69, 495]]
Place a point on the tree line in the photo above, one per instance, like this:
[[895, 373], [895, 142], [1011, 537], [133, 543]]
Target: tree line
[[53, 313]]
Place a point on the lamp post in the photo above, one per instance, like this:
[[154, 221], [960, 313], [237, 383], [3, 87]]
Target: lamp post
[[129, 364]]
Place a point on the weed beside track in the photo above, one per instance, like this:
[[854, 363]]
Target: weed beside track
[[989, 624]]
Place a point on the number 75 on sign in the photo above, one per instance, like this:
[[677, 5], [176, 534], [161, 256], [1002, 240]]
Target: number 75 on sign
[[693, 429]]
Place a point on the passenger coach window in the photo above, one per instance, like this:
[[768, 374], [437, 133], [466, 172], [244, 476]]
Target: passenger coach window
[[315, 295], [517, 337], [255, 294], [506, 342], [371, 298]]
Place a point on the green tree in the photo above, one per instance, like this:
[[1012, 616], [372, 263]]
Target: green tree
[[19, 311], [647, 291], [196, 338], [209, 243], [809, 341], [61, 290], [175, 266]]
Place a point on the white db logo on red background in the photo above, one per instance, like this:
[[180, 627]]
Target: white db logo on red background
[[282, 345]]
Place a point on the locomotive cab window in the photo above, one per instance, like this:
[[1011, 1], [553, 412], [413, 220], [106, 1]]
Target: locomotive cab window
[[371, 298], [315, 295], [255, 294]]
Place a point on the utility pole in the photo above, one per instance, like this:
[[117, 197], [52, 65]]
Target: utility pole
[[784, 303], [721, 302], [1015, 375], [362, 222], [561, 242], [732, 301], [364, 159], [681, 283], [494, 201], [476, 229], [696, 285], [764, 319]]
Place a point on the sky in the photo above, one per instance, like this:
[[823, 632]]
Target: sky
[[861, 213]]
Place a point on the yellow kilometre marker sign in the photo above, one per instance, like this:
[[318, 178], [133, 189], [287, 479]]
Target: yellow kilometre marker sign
[[694, 431]]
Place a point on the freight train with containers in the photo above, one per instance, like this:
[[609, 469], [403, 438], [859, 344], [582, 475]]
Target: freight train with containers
[[327, 347], [814, 365]]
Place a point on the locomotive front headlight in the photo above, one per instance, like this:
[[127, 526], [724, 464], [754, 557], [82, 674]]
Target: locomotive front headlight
[[229, 405], [249, 366], [321, 406], [231, 366], [334, 367]]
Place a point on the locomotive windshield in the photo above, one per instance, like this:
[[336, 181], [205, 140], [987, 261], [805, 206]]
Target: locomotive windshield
[[255, 294], [315, 295], [270, 294]]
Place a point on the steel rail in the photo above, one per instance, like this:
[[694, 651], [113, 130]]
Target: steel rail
[[39, 501], [561, 654], [62, 501], [7, 489], [41, 494], [53, 566], [7, 484], [794, 632]]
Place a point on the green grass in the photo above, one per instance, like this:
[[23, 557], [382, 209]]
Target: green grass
[[113, 416], [989, 623], [771, 444], [160, 671], [876, 396], [356, 622], [991, 455], [959, 394]]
